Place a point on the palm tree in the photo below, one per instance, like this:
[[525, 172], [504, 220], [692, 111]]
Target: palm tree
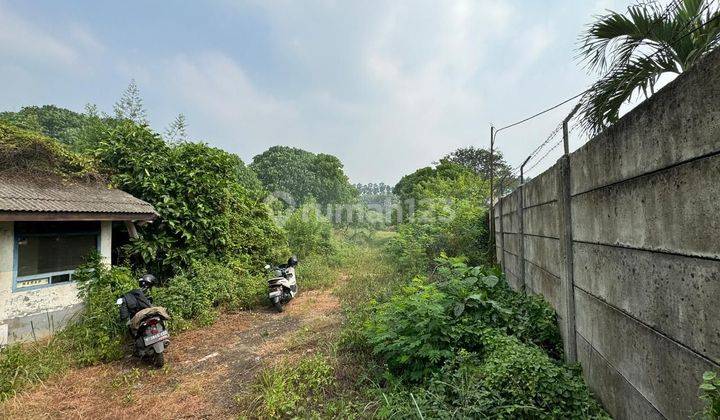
[[633, 50]]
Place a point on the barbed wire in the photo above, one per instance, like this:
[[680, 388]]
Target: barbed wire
[[674, 6]]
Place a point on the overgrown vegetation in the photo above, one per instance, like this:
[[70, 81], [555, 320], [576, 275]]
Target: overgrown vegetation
[[24, 151], [444, 211], [710, 395], [205, 211], [308, 231]]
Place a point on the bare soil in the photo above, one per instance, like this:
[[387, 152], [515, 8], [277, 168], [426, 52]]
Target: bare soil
[[206, 368]]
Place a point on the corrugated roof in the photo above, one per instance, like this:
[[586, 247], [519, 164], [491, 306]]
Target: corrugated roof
[[21, 194]]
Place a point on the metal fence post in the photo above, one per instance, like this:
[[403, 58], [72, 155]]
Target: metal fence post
[[501, 227], [566, 243], [521, 230]]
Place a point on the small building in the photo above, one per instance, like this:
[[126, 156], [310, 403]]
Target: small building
[[48, 226]]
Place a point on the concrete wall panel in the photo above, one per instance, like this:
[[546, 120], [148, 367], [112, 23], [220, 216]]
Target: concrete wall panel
[[543, 252], [543, 283], [512, 263], [665, 373], [511, 223], [660, 212], [542, 220], [510, 202], [617, 395], [512, 243], [541, 189], [678, 123], [674, 294]]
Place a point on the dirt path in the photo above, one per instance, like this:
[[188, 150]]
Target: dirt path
[[205, 368]]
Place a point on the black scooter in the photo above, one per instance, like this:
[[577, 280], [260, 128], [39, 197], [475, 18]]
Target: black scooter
[[146, 323]]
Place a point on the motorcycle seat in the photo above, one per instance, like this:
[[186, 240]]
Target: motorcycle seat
[[143, 314]]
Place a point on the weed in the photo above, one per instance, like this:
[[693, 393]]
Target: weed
[[290, 390], [710, 395]]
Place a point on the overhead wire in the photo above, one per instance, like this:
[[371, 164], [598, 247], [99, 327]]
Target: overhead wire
[[556, 130], [517, 169]]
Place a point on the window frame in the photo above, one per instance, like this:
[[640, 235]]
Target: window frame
[[16, 256]]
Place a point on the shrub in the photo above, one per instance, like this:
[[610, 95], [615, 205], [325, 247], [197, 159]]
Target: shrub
[[308, 231], [525, 382], [425, 324], [453, 227], [98, 334], [26, 151], [197, 294], [205, 212], [510, 380]]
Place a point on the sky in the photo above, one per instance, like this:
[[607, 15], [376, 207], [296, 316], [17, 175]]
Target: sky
[[387, 86]]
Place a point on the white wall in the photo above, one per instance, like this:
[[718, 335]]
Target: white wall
[[49, 307]]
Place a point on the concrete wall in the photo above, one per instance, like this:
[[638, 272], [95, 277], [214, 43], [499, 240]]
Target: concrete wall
[[37, 313], [641, 264]]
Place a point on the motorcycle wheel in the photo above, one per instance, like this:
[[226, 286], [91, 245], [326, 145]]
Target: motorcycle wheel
[[158, 360], [278, 306]]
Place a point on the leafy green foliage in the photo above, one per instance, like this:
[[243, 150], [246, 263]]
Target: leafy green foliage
[[412, 186], [449, 217], [478, 160], [303, 174], [638, 47], [205, 212], [98, 334], [463, 345], [710, 395], [510, 380], [76, 131], [198, 294], [425, 324], [308, 231]]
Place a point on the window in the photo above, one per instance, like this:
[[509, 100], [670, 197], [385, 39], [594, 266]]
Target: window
[[48, 253]]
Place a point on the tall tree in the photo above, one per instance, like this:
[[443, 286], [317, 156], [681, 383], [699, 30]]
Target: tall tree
[[177, 130], [130, 106], [635, 48], [478, 160], [303, 174]]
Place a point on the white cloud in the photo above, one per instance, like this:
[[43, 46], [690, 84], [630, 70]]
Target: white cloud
[[21, 40], [225, 102]]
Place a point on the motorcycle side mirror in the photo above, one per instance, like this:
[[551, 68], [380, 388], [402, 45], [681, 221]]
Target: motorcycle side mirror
[[267, 266]]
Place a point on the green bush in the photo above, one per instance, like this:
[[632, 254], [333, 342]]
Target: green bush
[[308, 232], [30, 152], [98, 334], [510, 380], [205, 211], [426, 323], [197, 294], [449, 217], [525, 382]]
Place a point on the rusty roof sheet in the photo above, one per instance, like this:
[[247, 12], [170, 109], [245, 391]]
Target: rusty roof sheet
[[26, 194]]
